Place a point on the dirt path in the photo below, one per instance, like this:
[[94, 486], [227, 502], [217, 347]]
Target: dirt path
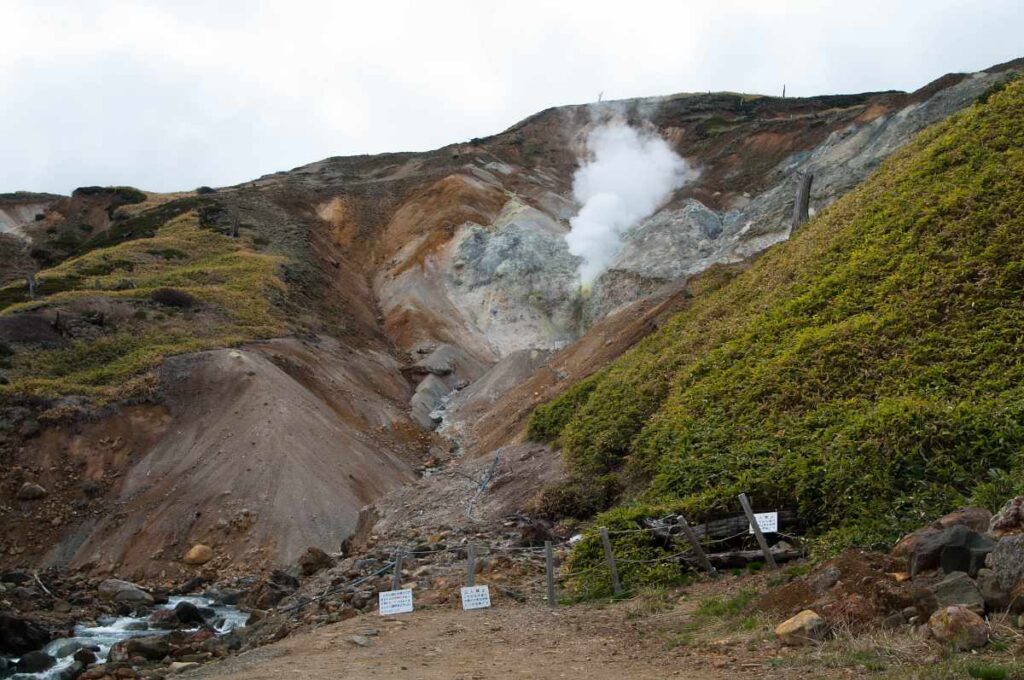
[[508, 642]]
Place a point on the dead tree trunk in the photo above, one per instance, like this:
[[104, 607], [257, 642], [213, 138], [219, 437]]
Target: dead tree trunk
[[802, 204]]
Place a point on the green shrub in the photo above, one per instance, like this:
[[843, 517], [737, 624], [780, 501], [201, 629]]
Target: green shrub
[[866, 373], [579, 498]]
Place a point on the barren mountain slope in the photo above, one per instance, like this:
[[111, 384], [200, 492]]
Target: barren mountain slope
[[362, 292]]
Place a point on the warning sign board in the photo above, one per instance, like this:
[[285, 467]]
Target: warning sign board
[[394, 602], [476, 597], [767, 522]]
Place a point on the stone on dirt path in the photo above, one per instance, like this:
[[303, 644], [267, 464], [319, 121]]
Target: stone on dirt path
[[804, 628]]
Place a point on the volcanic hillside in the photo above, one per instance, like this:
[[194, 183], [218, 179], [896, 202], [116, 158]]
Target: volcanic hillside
[[252, 366]]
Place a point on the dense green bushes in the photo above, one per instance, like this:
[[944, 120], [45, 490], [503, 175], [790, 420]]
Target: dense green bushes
[[869, 373]]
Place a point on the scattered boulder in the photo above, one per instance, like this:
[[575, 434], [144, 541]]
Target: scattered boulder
[[995, 596], [188, 613], [922, 549], [34, 662], [314, 560], [1009, 520], [823, 581], [925, 603], [198, 554], [1007, 560], [150, 648], [18, 636], [124, 592], [284, 578], [958, 627], [804, 628], [964, 550], [164, 619], [86, 657], [959, 589], [31, 491]]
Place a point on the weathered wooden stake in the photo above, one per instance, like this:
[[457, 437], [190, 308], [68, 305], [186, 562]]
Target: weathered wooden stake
[[396, 578], [471, 565], [549, 563], [768, 557], [610, 557], [802, 204], [692, 537]]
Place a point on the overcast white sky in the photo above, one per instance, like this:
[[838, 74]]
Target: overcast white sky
[[171, 95]]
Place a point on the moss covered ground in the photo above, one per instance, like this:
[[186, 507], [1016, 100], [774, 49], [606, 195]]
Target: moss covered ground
[[867, 373]]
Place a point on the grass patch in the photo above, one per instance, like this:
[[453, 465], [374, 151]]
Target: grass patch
[[866, 373], [719, 616], [233, 288]]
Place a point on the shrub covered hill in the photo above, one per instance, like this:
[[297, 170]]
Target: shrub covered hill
[[867, 373]]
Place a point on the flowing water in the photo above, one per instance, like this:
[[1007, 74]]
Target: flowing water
[[106, 632]]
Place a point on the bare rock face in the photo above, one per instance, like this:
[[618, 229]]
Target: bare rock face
[[804, 628], [31, 492], [959, 628], [198, 554]]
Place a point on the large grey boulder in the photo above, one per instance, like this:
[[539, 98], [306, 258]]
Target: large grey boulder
[[1007, 561], [124, 592], [923, 548], [959, 589], [996, 597], [964, 550]]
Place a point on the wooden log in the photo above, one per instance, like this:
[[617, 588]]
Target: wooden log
[[741, 558], [713, 529]]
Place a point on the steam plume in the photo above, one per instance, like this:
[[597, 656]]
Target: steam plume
[[628, 175]]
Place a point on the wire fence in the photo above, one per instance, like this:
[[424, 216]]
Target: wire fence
[[581, 579]]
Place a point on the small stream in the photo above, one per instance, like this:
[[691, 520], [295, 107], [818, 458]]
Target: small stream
[[108, 631]]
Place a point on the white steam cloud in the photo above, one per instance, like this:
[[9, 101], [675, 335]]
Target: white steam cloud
[[628, 175]]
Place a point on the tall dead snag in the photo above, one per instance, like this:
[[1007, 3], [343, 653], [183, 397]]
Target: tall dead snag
[[802, 204]]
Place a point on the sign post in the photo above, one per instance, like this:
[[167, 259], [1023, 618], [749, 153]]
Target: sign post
[[756, 528]]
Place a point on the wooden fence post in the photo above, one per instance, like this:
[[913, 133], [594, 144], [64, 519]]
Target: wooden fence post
[[549, 563], [610, 558], [692, 537], [471, 565], [396, 578], [801, 204], [749, 512]]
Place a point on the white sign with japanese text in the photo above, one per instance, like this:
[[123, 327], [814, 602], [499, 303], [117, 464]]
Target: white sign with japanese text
[[476, 597], [767, 522], [394, 602]]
